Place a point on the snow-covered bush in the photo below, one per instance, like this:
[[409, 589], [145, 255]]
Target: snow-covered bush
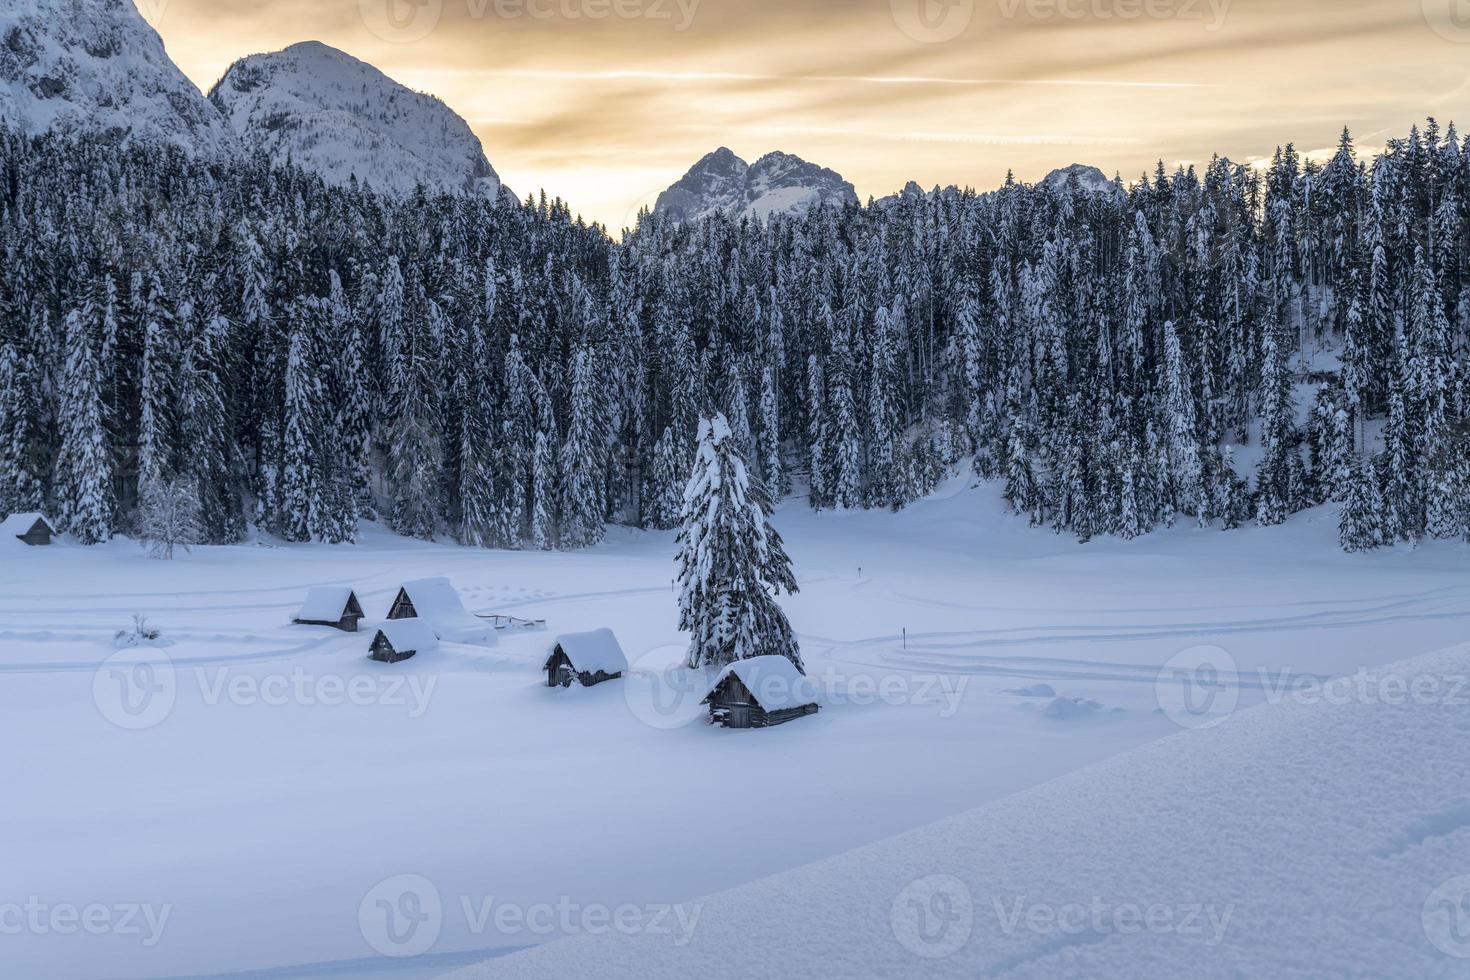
[[140, 635]]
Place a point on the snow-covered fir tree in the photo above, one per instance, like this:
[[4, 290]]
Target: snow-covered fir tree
[[1360, 527], [731, 560], [83, 464], [19, 489], [583, 456]]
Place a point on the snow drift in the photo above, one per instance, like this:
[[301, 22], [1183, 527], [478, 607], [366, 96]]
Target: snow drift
[[1312, 839]]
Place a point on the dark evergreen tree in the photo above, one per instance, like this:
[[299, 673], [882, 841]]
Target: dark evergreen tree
[[83, 465]]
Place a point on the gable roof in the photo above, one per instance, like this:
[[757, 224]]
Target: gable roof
[[325, 603], [773, 681], [592, 651], [436, 602], [18, 524], [408, 634]]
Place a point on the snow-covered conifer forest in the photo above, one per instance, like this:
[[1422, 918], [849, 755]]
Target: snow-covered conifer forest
[[1086, 528], [1223, 347]]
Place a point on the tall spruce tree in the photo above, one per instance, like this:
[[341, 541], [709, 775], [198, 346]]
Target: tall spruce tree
[[300, 447], [1279, 478], [1360, 526], [731, 560], [83, 465], [583, 458], [19, 489]]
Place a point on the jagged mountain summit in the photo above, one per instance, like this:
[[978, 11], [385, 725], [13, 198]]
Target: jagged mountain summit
[[96, 66], [777, 183], [1091, 178], [339, 117]]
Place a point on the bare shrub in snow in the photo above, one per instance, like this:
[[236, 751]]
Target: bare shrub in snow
[[169, 517], [140, 635]]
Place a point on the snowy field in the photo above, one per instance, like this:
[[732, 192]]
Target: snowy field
[[243, 797]]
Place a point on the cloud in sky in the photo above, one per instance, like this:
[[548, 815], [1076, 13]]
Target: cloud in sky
[[605, 102]]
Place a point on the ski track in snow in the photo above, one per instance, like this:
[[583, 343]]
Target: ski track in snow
[[949, 652], [239, 658]]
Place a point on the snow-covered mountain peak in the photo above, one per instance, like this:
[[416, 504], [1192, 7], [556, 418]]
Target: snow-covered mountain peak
[[1092, 179], [96, 66], [777, 183], [340, 117]]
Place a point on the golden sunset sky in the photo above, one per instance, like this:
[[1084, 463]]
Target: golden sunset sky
[[607, 102]]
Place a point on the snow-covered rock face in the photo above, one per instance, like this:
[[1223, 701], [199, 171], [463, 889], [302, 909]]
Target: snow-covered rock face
[[339, 117], [96, 66], [777, 183], [1092, 179]]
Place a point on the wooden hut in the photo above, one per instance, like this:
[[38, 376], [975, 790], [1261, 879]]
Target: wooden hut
[[330, 605], [589, 658], [760, 692], [400, 639], [436, 602], [31, 529]]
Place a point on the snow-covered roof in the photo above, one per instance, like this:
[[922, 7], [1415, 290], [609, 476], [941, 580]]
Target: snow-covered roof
[[408, 634], [437, 602], [592, 651], [774, 681], [324, 603], [17, 524]]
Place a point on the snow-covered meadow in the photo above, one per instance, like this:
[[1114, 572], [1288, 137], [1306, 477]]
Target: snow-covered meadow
[[245, 795]]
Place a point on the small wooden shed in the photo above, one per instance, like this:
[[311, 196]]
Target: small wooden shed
[[31, 529], [400, 639], [760, 692], [589, 658], [436, 602], [330, 605]]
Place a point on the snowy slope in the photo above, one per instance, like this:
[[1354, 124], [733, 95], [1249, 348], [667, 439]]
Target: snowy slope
[[79, 66], [1305, 838], [339, 117], [776, 184]]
